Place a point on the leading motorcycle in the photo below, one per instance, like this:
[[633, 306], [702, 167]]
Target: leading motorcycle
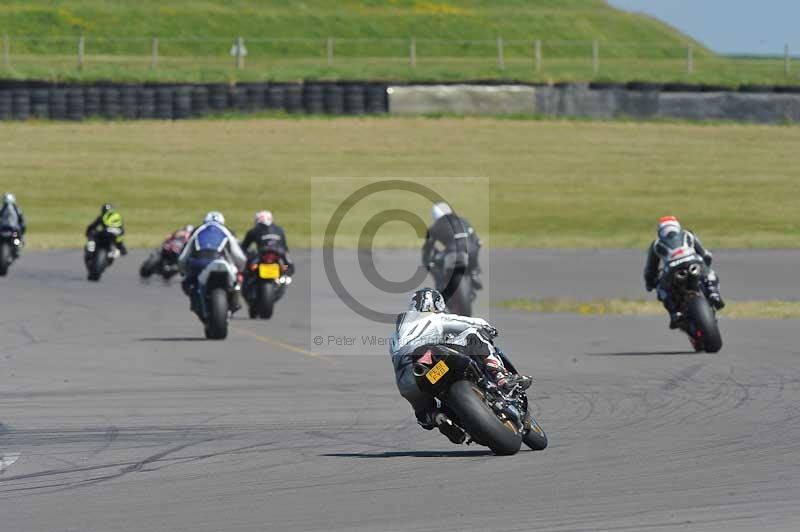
[[498, 419], [100, 251], [214, 296], [265, 281], [10, 246], [685, 274]]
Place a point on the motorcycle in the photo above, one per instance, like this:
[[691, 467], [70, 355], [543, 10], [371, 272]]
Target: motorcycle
[[100, 252], [213, 297], [265, 282], [498, 419], [10, 246], [452, 279], [700, 319], [163, 261]]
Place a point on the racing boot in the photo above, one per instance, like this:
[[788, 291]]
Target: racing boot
[[434, 418], [508, 382], [711, 289], [675, 319], [716, 300], [477, 283]]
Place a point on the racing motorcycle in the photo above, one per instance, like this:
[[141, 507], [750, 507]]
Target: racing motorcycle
[[686, 275], [452, 279], [213, 297], [498, 419], [10, 246], [100, 252], [164, 260], [265, 282]]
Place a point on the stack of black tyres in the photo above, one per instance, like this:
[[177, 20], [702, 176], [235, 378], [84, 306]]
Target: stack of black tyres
[[91, 101], [293, 98], [256, 96], [40, 107], [354, 99], [146, 102], [182, 102], [276, 97], [75, 104], [109, 102], [128, 102], [377, 99], [21, 103], [5, 104], [313, 98], [57, 103], [199, 101], [237, 98], [164, 103], [218, 98], [334, 99]]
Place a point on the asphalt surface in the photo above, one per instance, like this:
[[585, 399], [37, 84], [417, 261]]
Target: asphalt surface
[[115, 414]]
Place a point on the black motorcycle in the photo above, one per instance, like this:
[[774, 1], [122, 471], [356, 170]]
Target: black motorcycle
[[10, 246], [452, 278], [700, 318], [265, 282], [498, 419], [163, 261], [100, 252]]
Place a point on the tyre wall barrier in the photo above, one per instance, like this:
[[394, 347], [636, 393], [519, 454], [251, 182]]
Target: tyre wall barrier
[[41, 100]]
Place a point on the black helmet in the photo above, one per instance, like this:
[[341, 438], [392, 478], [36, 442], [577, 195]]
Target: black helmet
[[107, 207], [427, 300]]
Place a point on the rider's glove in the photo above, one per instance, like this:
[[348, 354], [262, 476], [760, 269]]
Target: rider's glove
[[491, 331], [290, 269]]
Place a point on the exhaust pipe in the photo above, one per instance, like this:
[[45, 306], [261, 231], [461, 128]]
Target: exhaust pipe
[[420, 370]]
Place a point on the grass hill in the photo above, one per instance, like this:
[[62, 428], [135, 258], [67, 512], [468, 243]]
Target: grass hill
[[287, 39]]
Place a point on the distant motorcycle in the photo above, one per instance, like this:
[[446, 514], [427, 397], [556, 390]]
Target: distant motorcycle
[[100, 252], [10, 247], [451, 277], [213, 297], [164, 260], [265, 282], [500, 420], [700, 319]]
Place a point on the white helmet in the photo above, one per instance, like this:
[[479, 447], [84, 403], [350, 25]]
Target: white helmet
[[668, 225], [264, 218], [427, 300], [440, 209], [214, 216], [9, 199]]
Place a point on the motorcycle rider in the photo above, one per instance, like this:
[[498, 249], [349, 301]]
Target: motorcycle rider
[[265, 234], [211, 241], [11, 215], [425, 323], [109, 221], [670, 238], [453, 233]]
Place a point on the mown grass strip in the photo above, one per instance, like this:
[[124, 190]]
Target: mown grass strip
[[767, 309]]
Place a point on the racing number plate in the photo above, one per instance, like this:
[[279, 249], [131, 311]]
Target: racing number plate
[[269, 271], [437, 372]]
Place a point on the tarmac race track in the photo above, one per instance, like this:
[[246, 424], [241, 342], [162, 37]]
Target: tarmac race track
[[115, 414]]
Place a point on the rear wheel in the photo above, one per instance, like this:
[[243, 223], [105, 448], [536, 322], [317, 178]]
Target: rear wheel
[[460, 301], [266, 300], [5, 258], [217, 326], [480, 422], [97, 264], [707, 334]]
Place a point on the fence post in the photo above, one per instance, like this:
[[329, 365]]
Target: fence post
[[329, 50], [154, 54], [81, 45], [690, 59], [787, 60], [6, 51], [537, 53], [596, 57], [412, 53], [239, 53], [501, 60]]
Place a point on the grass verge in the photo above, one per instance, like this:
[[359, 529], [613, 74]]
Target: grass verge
[[769, 309]]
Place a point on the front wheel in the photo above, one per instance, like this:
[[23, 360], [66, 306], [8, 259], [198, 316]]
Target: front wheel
[[706, 336], [97, 264], [217, 325], [5, 258], [149, 266], [466, 400], [534, 437]]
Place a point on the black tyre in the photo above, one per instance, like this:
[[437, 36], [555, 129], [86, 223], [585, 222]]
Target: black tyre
[[149, 266], [699, 312], [466, 400], [97, 264], [460, 302], [5, 258], [217, 326], [266, 300], [534, 437]]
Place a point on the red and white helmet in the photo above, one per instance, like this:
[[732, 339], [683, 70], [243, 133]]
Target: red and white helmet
[[264, 218], [668, 225]]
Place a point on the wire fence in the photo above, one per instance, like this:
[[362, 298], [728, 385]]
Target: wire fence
[[398, 56]]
